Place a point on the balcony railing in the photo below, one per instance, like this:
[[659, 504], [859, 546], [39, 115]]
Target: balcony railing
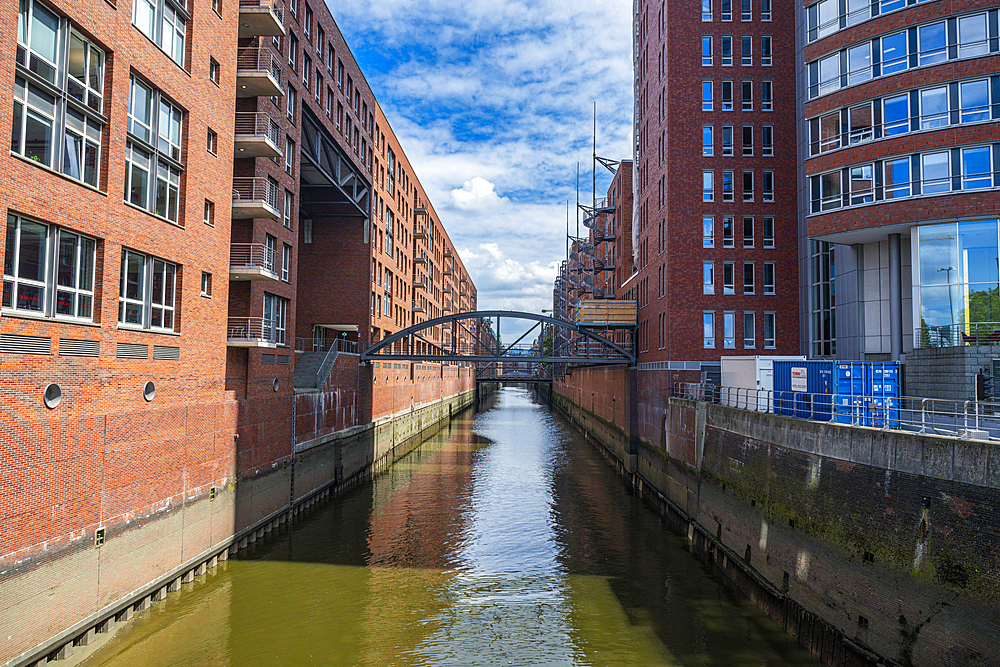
[[958, 334], [420, 258], [251, 261], [257, 135], [254, 198], [258, 73], [261, 18], [419, 232], [252, 332], [326, 345], [448, 271], [448, 252], [419, 282]]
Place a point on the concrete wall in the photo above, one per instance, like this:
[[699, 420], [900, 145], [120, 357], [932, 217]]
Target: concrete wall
[[947, 372], [864, 544]]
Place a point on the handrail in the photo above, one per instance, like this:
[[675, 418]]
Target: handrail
[[957, 334], [250, 189], [255, 59], [257, 124], [251, 255]]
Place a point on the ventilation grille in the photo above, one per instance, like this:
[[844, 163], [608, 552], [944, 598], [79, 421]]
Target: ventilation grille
[[132, 351], [166, 353], [283, 359], [70, 347], [17, 344], [267, 358]]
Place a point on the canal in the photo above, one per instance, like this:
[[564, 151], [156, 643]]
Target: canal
[[505, 539]]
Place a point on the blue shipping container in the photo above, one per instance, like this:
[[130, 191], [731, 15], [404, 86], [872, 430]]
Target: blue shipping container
[[851, 377], [797, 386]]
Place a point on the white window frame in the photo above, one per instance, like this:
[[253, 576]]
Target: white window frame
[[275, 318], [708, 231], [153, 148], [770, 343], [770, 278], [729, 277], [937, 185], [706, 50], [707, 102], [729, 231], [981, 113], [150, 305], [708, 328], [749, 330], [165, 24], [767, 231], [707, 140], [979, 179], [708, 277], [286, 262], [729, 329]]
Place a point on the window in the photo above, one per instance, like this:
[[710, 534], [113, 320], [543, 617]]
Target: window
[[729, 277], [746, 51], [707, 186], [825, 192], [748, 140], [708, 319], [165, 23], [286, 261], [212, 142], [340, 74], [768, 277], [747, 231], [727, 50], [275, 318], [976, 171], [767, 141], [48, 270], [331, 55], [708, 273], [293, 7], [768, 232], [897, 178], [768, 188], [727, 10], [706, 10], [829, 75], [749, 340], [765, 50], [152, 152], [287, 212], [707, 144], [293, 48], [824, 133], [727, 186], [727, 95], [290, 103], [329, 101], [706, 50], [862, 184], [972, 36], [824, 19], [387, 284], [708, 231], [862, 128], [747, 95], [859, 63], [974, 101], [206, 283], [933, 43], [858, 11], [319, 91], [320, 38], [148, 286], [209, 213], [306, 71], [729, 329], [769, 337], [56, 119], [935, 172], [896, 115], [728, 231], [307, 20], [390, 168], [894, 53], [747, 185], [765, 10], [340, 116], [766, 95], [289, 155], [745, 12], [748, 278], [213, 71], [934, 108], [727, 140]]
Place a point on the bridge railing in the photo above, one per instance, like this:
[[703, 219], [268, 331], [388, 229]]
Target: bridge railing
[[979, 420]]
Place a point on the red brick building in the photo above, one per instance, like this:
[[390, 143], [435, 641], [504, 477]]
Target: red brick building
[[716, 196]]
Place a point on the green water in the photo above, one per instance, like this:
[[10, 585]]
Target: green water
[[503, 540]]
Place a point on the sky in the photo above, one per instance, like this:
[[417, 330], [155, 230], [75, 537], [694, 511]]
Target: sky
[[493, 103]]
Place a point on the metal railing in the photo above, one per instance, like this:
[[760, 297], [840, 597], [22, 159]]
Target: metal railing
[[257, 124], [978, 420], [252, 255], [326, 345], [419, 232], [420, 258], [276, 7], [958, 334], [252, 329], [253, 189], [259, 60]]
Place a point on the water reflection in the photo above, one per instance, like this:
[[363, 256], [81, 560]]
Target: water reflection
[[504, 540]]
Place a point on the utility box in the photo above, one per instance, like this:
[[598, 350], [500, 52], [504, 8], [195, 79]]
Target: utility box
[[747, 380]]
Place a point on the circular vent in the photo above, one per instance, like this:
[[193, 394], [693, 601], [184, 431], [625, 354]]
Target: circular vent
[[149, 391], [52, 396]]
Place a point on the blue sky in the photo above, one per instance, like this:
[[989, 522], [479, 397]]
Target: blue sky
[[493, 102]]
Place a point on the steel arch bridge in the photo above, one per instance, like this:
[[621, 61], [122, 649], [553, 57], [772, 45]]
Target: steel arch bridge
[[471, 338]]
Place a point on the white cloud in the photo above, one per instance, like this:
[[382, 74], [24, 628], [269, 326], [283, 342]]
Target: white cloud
[[477, 193]]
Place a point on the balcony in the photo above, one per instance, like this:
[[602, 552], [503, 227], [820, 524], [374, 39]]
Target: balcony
[[256, 136], [419, 211], [447, 289], [420, 259], [449, 271], [251, 261], [258, 73], [254, 198], [419, 309], [259, 18], [251, 332], [420, 232], [448, 252], [419, 282]]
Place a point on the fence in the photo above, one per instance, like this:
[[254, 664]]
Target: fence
[[979, 420]]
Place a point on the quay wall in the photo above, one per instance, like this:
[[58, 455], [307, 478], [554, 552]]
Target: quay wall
[[870, 547], [173, 491]]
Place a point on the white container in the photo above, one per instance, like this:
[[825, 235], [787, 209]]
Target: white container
[[749, 380]]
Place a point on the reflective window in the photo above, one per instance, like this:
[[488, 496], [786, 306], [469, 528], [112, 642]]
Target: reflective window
[[935, 172], [934, 107], [746, 51], [727, 140], [727, 95], [707, 142], [862, 184], [976, 171], [709, 329], [858, 11], [727, 50], [896, 115], [706, 50], [829, 74], [749, 340], [727, 186], [897, 178], [707, 186], [728, 231], [894, 53], [729, 277], [958, 278], [860, 119], [706, 95], [933, 43], [972, 36], [729, 329], [708, 277], [766, 95], [708, 231], [974, 100], [859, 63]]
